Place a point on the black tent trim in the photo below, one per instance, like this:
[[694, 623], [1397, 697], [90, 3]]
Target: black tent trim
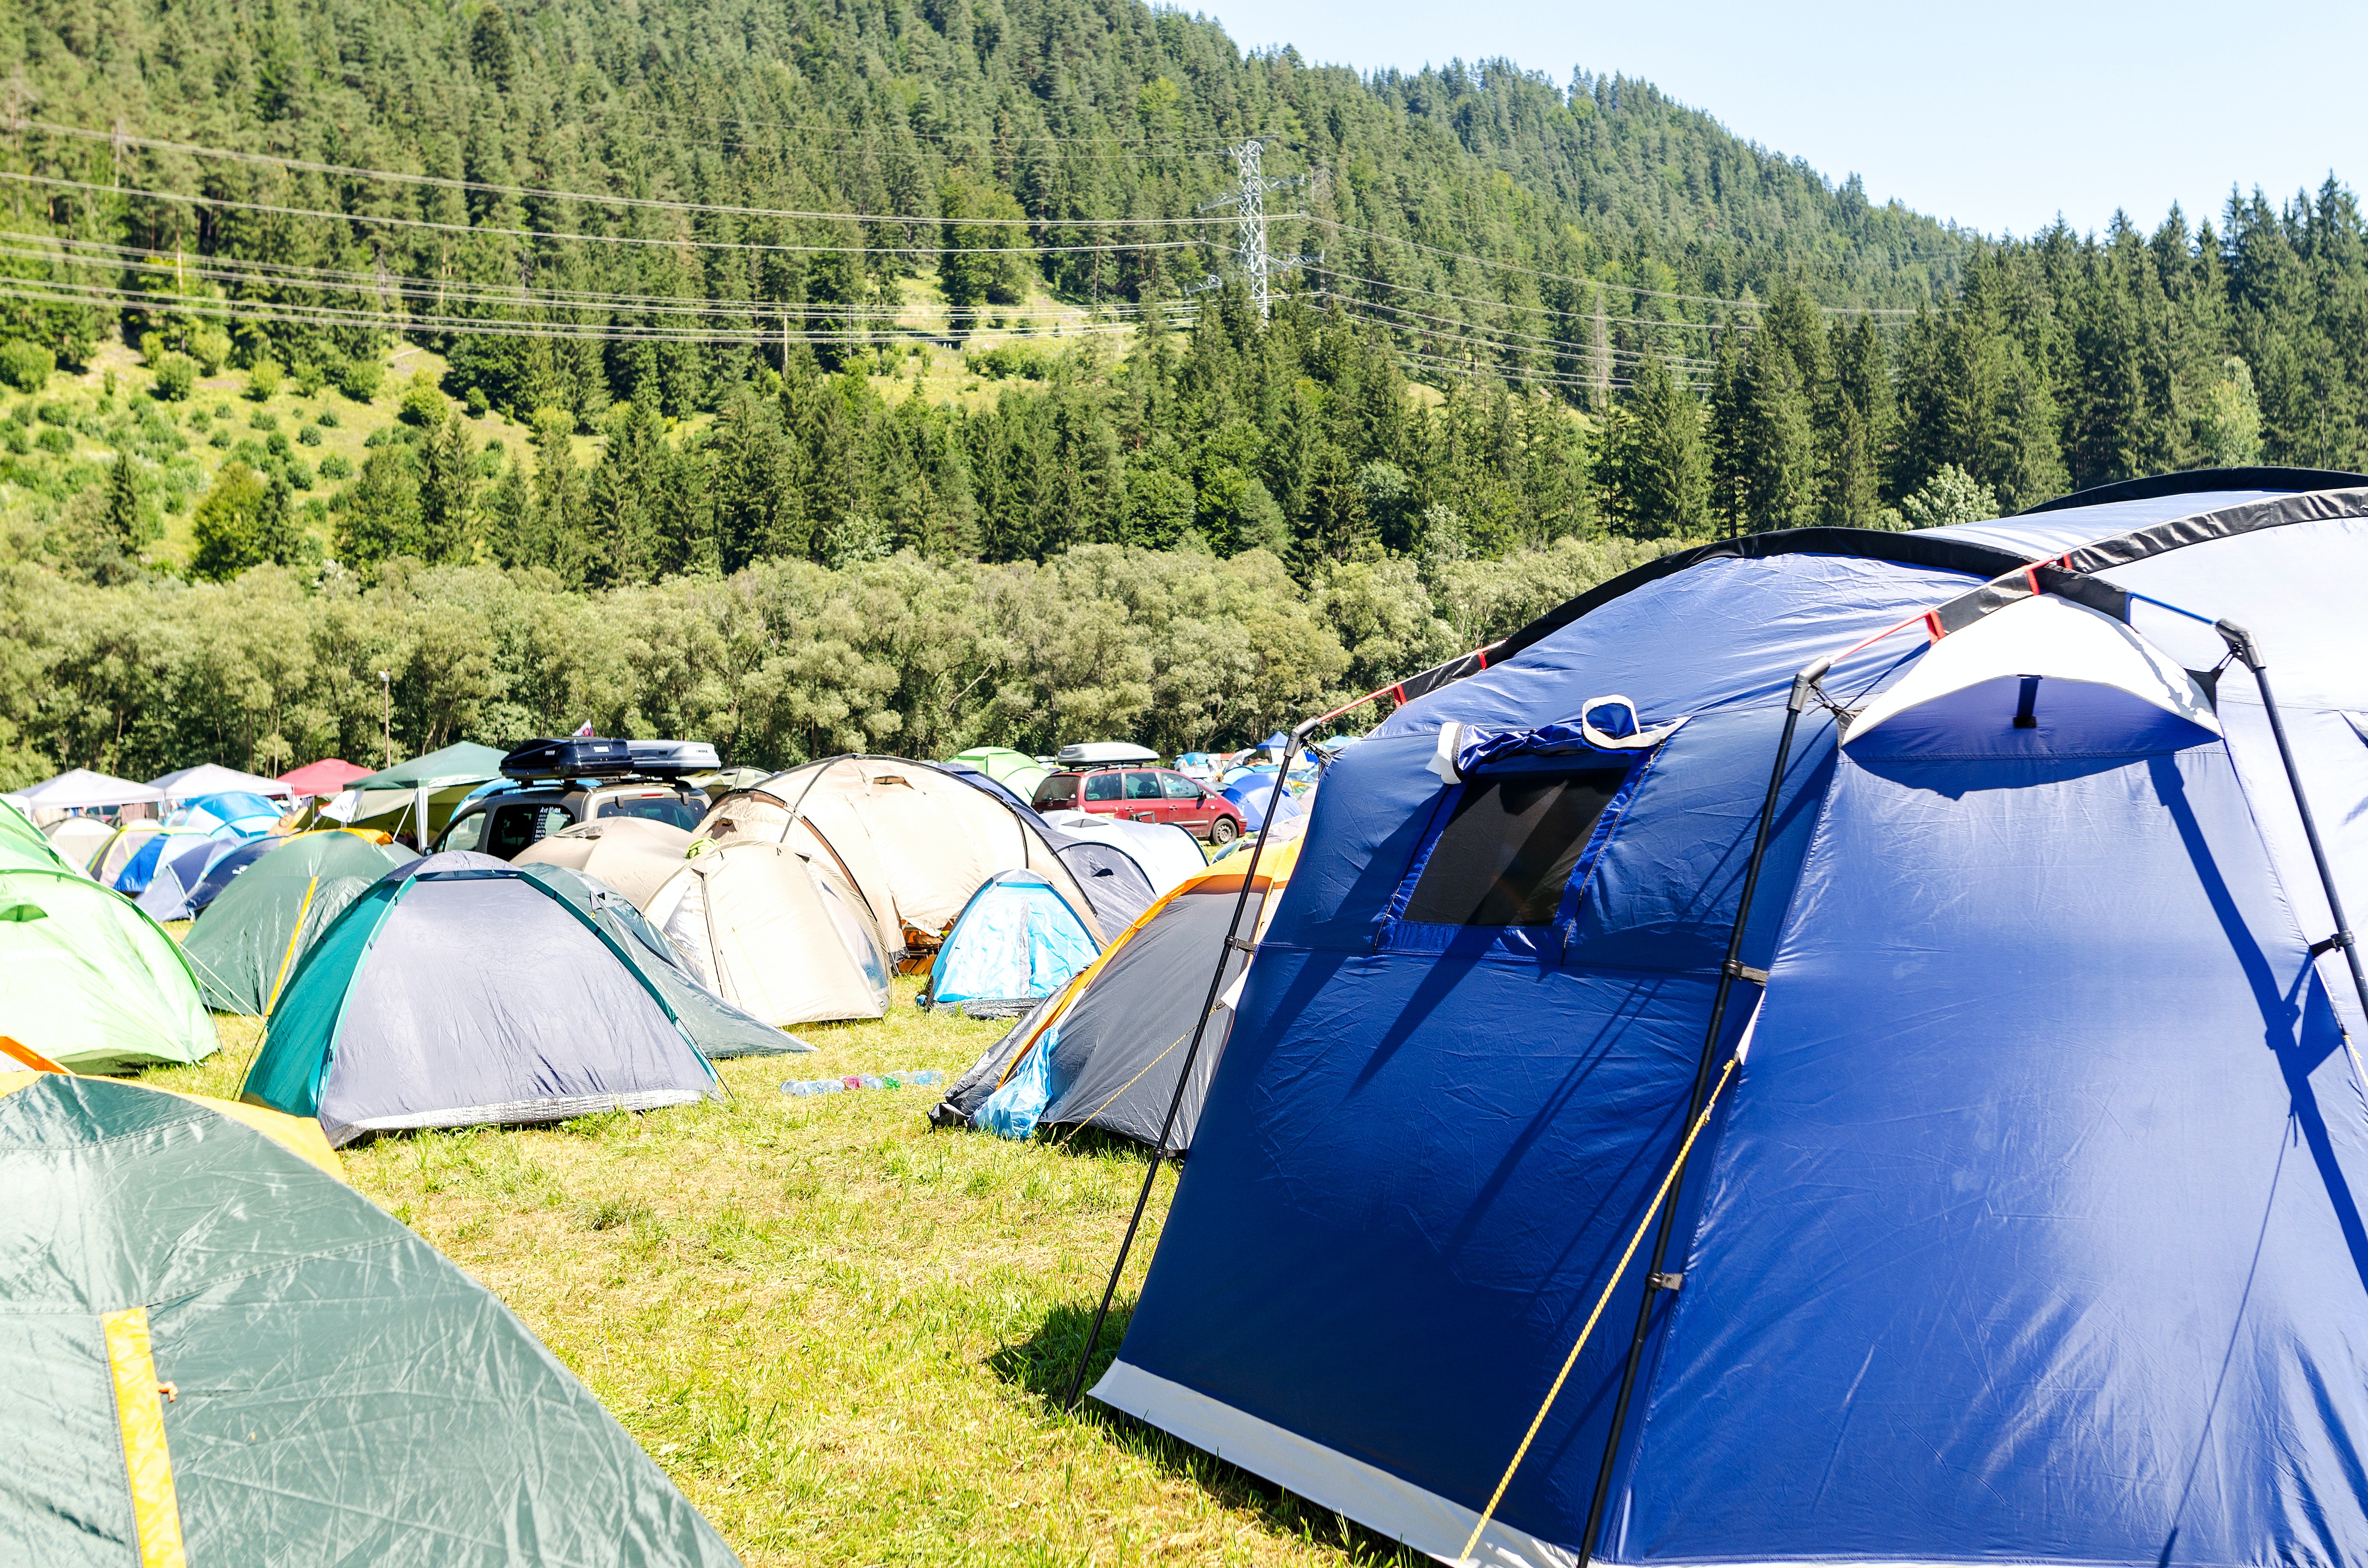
[[2072, 575], [2201, 481]]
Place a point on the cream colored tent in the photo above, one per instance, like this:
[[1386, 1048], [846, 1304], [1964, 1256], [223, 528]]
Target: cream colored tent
[[762, 929], [632, 855], [906, 843]]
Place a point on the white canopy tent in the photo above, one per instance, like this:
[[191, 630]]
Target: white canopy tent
[[212, 779], [82, 790]]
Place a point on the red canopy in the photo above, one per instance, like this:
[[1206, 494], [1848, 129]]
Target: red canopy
[[326, 776]]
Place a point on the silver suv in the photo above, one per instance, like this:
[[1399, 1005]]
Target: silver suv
[[503, 823]]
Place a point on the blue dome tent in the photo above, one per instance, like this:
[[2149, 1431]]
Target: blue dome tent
[[1015, 943], [1935, 918]]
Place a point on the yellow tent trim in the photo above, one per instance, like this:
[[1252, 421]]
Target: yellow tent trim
[[294, 937], [140, 1407], [1275, 866], [299, 1135]]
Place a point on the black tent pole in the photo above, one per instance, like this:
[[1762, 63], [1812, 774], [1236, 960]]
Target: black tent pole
[[2240, 643], [1184, 1077], [1733, 970]]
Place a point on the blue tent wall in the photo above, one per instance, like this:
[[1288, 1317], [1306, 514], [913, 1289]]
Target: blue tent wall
[[2034, 1220], [1440, 1157]]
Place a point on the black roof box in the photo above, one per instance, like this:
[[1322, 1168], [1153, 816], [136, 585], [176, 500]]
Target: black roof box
[[672, 760]]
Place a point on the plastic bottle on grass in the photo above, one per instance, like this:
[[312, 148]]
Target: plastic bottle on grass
[[862, 1081]]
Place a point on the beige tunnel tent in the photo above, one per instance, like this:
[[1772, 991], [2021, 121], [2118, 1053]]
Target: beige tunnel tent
[[763, 929], [908, 843], [632, 855]]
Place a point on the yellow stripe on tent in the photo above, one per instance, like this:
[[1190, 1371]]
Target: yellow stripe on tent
[[140, 1407], [294, 937]]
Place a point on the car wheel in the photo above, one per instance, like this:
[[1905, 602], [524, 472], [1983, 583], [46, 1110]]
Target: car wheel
[[1222, 831]]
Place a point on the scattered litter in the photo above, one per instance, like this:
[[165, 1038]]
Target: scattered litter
[[859, 1081]]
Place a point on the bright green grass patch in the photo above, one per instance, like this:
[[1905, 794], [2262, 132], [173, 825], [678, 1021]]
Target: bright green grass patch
[[844, 1334]]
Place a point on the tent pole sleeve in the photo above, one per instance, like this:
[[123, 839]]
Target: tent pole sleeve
[[1804, 687], [1184, 1077], [2240, 643]]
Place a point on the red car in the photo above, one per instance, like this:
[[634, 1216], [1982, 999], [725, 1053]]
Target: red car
[[1146, 794]]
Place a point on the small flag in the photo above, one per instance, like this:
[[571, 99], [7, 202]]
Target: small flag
[[585, 732]]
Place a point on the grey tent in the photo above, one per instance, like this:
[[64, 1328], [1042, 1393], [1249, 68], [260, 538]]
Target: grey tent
[[460, 991], [1107, 1050], [716, 1026]]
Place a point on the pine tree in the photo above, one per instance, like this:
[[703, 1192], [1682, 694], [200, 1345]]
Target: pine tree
[[1654, 477]]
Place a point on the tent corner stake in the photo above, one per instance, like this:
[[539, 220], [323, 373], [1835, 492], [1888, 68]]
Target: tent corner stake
[[1191, 1054], [1804, 692], [2241, 644]]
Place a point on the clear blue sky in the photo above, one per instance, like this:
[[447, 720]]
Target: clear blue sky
[[1996, 116]]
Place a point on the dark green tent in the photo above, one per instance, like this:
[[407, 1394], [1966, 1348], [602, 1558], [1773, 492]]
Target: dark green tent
[[247, 942], [216, 1353]]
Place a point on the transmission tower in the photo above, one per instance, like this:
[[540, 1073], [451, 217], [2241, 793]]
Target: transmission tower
[[1249, 202]]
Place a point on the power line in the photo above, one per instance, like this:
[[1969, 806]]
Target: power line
[[348, 171], [1505, 337], [218, 268], [55, 182], [1335, 224]]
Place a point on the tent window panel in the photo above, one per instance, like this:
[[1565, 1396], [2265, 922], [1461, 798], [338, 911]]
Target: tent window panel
[[1509, 848]]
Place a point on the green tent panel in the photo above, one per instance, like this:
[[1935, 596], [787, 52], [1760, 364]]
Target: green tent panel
[[89, 981], [245, 943], [333, 1389], [1015, 770], [463, 762], [24, 847]]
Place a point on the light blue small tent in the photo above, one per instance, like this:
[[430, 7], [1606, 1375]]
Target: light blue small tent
[[1954, 886], [1015, 943]]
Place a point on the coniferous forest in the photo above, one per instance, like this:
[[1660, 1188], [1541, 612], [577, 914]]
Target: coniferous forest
[[895, 345]]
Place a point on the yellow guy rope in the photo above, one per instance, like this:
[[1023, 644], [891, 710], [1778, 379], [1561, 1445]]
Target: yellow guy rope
[[1604, 1301]]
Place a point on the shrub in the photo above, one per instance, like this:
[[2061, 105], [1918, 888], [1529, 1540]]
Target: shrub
[[308, 378], [476, 405], [298, 476], [328, 418], [220, 438], [334, 467], [210, 347], [263, 419], [55, 440], [19, 442], [276, 444], [422, 403], [57, 413], [21, 415], [378, 438], [310, 436], [1022, 359], [176, 377], [361, 378], [27, 366], [263, 379]]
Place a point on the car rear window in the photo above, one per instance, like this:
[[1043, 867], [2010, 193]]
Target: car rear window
[[1510, 848], [1058, 792], [1102, 787], [658, 806]]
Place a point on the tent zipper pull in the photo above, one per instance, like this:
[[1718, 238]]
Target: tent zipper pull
[[1668, 1281]]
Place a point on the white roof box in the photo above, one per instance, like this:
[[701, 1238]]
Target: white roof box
[[1087, 753]]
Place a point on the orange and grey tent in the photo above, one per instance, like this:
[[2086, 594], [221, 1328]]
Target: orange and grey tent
[[1107, 1049]]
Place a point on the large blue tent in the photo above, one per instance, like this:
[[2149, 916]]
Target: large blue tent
[[2025, 1223]]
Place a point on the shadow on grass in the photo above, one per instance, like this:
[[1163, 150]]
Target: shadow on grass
[[1042, 1366]]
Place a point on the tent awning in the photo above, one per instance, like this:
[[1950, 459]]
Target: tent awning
[[327, 777], [82, 790], [212, 779], [463, 762]]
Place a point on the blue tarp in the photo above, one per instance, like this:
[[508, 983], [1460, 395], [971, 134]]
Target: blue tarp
[[1014, 943], [2030, 1228]]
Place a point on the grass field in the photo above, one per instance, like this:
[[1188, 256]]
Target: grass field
[[843, 1334]]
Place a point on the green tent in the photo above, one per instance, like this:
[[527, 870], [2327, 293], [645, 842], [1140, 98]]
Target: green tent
[[246, 941], [25, 846], [217, 1353], [425, 789], [1015, 770], [87, 978]]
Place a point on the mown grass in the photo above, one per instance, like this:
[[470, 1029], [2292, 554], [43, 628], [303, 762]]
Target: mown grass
[[843, 1334]]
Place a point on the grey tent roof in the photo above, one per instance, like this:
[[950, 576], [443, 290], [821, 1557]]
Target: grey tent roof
[[716, 1026]]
